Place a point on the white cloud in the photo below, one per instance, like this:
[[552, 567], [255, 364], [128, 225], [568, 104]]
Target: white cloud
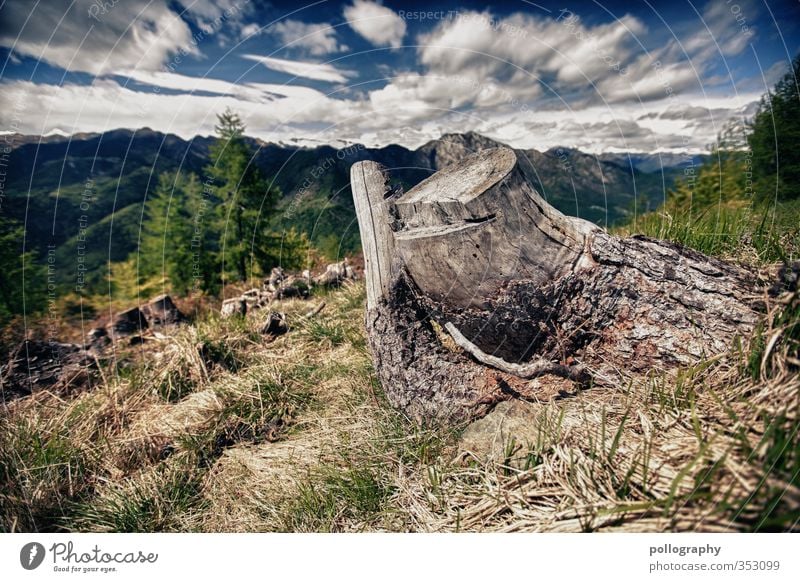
[[384, 118], [249, 30], [316, 39], [776, 72], [80, 37], [217, 15], [187, 84], [584, 64], [522, 53], [414, 96], [378, 24], [316, 71], [106, 105], [525, 80], [253, 92], [725, 29]]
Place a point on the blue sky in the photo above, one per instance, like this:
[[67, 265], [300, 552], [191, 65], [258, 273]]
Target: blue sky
[[599, 76]]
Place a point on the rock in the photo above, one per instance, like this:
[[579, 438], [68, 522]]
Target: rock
[[253, 298], [489, 437], [234, 306], [162, 311], [276, 324], [97, 339], [335, 274], [516, 427], [265, 300], [276, 276], [128, 322], [47, 365], [293, 286]]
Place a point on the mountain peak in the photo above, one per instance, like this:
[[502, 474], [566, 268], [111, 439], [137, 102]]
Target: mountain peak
[[452, 147], [471, 139]]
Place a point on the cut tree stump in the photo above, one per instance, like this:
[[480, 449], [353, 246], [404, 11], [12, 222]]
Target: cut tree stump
[[477, 288]]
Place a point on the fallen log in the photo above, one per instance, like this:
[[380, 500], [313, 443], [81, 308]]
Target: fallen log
[[477, 287]]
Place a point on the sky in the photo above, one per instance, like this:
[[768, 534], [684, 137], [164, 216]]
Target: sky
[[616, 76]]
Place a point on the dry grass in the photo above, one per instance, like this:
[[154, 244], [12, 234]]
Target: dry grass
[[217, 429]]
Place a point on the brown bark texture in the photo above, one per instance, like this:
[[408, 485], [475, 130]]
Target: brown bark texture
[[478, 290]]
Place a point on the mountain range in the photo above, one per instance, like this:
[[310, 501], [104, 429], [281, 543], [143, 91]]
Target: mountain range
[[95, 185]]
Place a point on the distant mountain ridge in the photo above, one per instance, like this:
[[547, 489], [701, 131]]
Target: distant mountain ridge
[[48, 179]]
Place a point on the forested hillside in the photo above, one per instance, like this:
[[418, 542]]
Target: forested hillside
[[105, 214]]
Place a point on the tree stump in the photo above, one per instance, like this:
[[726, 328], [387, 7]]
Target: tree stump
[[477, 289]]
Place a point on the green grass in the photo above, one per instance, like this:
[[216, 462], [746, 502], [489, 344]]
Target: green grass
[[41, 470], [264, 403], [759, 235], [295, 434], [158, 501], [332, 495]]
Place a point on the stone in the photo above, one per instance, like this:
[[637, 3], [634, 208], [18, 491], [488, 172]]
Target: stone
[[128, 322], [293, 286], [37, 365], [97, 339], [275, 325], [335, 274], [234, 306], [275, 277], [488, 438], [253, 298], [162, 310]]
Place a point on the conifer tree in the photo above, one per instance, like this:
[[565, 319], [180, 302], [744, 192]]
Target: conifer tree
[[22, 284], [775, 133], [177, 240], [246, 201]]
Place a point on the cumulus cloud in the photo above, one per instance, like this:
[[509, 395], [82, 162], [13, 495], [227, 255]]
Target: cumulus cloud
[[106, 105], [248, 30], [378, 24], [492, 44], [526, 80], [526, 53], [578, 62], [725, 29], [315, 39], [82, 37], [316, 71]]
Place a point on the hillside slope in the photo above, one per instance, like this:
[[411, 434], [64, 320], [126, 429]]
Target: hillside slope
[[99, 182], [216, 427]]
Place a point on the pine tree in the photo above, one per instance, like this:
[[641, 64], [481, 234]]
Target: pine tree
[[22, 284], [775, 133], [719, 182], [178, 237], [246, 201], [289, 249]]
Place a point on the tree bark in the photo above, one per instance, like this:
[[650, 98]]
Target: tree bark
[[477, 288]]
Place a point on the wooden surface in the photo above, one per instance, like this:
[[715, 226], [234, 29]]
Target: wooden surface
[[478, 290], [470, 228], [370, 187]]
